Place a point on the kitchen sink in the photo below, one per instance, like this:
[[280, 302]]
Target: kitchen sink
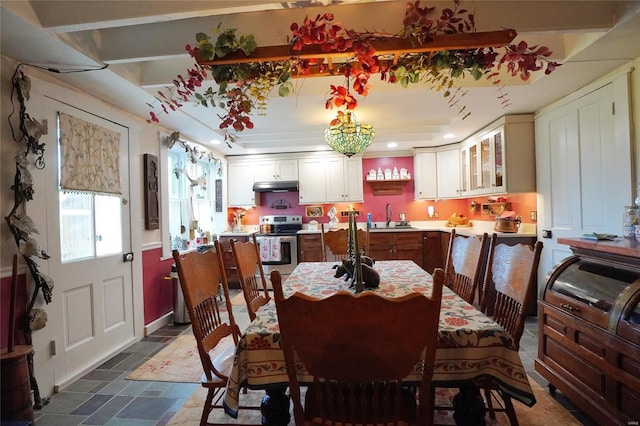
[[403, 227]]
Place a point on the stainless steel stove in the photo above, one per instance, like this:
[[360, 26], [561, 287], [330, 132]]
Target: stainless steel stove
[[280, 224], [278, 243]]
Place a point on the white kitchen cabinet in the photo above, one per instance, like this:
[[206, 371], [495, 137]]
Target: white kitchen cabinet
[[448, 173], [425, 174], [344, 179], [311, 177], [276, 170], [240, 185], [330, 180], [500, 158]]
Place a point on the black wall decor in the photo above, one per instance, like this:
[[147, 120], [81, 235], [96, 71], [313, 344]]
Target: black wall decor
[[151, 217]]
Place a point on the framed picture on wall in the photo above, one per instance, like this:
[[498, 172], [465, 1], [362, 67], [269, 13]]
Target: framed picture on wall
[[314, 211]]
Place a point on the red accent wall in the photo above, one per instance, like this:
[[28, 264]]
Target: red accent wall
[[157, 291], [20, 311]]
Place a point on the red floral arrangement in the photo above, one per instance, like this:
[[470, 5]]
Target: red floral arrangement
[[245, 86]]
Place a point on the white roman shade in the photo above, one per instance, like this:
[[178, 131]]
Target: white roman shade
[[90, 157]]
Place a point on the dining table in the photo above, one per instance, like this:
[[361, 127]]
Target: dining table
[[471, 345]]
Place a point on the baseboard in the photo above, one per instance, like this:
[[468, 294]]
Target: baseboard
[[166, 319]]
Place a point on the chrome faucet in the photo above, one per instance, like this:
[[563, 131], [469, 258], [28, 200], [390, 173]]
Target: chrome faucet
[[389, 214]]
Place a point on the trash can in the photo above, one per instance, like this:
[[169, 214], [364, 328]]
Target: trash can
[[180, 312]]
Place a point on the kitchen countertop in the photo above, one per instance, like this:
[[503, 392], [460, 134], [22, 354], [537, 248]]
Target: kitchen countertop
[[478, 227], [620, 246]]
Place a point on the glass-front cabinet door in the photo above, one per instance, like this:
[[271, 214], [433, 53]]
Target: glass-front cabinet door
[[474, 167], [484, 157], [497, 157], [464, 172], [482, 165]]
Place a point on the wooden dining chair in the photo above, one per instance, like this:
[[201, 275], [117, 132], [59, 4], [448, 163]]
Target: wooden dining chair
[[463, 270], [254, 286], [335, 243], [358, 350], [201, 276], [512, 277]]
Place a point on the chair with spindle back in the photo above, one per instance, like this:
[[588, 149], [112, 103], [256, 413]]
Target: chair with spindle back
[[335, 243], [201, 276], [512, 276], [463, 270], [358, 361], [251, 274]]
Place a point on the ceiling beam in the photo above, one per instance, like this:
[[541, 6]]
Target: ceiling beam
[[383, 46]]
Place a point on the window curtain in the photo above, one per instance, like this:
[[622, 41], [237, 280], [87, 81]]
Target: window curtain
[[90, 157]]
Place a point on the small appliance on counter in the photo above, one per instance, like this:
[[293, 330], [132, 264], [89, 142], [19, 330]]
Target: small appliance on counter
[[507, 221]]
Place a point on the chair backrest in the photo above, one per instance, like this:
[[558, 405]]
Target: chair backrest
[[358, 348], [463, 270], [201, 275], [335, 243], [251, 274], [512, 274]]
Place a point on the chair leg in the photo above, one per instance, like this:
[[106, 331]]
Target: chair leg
[[488, 397], [511, 412], [208, 406]]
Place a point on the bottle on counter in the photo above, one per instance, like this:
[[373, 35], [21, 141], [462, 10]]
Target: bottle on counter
[[629, 221], [368, 220]]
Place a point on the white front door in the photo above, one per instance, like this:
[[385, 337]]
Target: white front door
[[584, 174], [92, 305]]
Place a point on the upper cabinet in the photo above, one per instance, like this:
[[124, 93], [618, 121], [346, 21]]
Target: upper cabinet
[[240, 185], [500, 158], [312, 180], [425, 175], [344, 179], [330, 180], [276, 170], [448, 173]]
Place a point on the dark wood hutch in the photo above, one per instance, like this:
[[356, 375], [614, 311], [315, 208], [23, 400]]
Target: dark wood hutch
[[589, 329]]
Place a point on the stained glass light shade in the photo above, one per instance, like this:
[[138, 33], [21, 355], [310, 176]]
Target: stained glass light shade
[[347, 136]]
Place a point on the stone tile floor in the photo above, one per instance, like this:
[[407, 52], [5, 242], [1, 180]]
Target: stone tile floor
[[105, 397]]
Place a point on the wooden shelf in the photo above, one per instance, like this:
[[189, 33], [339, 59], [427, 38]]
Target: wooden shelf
[[388, 187]]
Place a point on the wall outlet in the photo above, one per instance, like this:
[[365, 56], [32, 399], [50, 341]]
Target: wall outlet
[[534, 215]]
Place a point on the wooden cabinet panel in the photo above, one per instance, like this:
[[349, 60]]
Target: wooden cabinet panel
[[309, 248], [431, 251], [396, 246], [580, 351]]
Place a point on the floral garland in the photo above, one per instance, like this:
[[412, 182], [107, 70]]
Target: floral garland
[[244, 87]]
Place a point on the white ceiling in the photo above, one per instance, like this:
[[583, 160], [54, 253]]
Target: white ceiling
[[143, 42]]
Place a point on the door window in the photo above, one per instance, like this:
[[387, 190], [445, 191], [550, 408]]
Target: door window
[[87, 224]]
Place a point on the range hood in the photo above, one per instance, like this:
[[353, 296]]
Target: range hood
[[276, 186]]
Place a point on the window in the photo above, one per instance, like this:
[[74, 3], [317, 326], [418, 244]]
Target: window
[[191, 196]]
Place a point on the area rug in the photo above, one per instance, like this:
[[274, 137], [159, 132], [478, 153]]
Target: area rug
[[544, 413], [238, 299], [178, 362]]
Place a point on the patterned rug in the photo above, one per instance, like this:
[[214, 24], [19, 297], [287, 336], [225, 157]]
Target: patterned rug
[[544, 413], [178, 362]]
